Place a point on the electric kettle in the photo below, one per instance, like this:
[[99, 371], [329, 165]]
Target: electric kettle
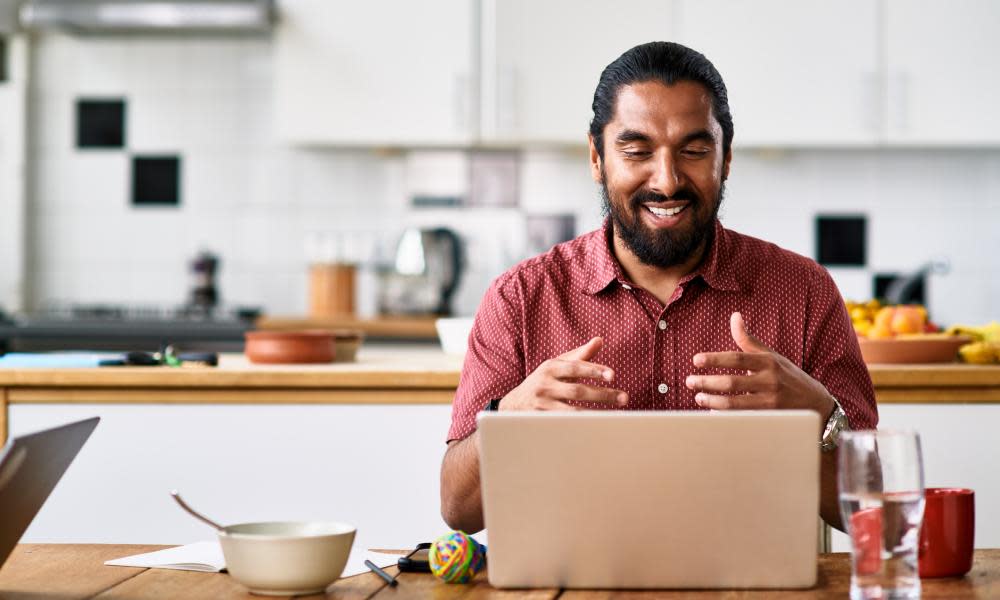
[[424, 274]]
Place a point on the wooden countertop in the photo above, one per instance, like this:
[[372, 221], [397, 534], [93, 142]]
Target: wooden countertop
[[402, 367], [76, 571], [392, 367]]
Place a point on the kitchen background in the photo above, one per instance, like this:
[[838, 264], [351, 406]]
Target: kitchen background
[[265, 176]]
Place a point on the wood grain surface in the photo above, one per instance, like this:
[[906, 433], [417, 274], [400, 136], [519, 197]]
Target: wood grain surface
[[76, 571]]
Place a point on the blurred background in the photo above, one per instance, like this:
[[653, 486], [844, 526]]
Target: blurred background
[[237, 158]]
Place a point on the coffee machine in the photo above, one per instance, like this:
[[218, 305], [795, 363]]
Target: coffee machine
[[424, 274]]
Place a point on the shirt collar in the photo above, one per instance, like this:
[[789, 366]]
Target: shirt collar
[[603, 268]]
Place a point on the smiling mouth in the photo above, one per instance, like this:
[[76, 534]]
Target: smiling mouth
[[666, 212]]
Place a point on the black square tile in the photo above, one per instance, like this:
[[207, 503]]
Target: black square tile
[[912, 293], [3, 58], [156, 180], [841, 241], [100, 123]]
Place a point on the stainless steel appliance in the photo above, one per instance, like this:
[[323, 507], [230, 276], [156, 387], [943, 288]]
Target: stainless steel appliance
[[424, 275], [118, 327]]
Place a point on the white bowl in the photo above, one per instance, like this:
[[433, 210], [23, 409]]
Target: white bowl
[[286, 558], [454, 334]]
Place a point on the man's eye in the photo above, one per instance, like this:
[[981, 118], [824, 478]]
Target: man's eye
[[695, 153], [635, 153]]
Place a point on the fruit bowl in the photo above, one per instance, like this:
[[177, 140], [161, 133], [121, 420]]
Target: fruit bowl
[[915, 349]]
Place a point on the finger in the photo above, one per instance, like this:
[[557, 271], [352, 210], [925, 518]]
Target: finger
[[744, 361], [557, 405], [737, 402], [579, 369], [724, 384], [579, 392], [584, 352], [742, 337]]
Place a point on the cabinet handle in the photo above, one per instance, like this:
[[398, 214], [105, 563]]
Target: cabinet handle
[[872, 111], [460, 101], [506, 109], [898, 102]]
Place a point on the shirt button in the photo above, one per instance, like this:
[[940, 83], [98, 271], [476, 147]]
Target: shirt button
[[626, 286], [662, 388], [663, 324]]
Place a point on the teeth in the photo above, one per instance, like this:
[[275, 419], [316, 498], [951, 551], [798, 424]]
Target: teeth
[[665, 212]]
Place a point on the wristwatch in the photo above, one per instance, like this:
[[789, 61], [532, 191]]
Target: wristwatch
[[494, 405], [834, 425]]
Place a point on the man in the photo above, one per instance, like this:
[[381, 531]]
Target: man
[[662, 308]]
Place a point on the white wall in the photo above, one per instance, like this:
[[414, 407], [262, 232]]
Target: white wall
[[254, 201], [13, 106]]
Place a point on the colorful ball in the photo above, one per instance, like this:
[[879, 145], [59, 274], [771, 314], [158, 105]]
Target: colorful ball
[[456, 557]]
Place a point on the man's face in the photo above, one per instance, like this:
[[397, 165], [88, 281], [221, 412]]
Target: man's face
[[663, 170]]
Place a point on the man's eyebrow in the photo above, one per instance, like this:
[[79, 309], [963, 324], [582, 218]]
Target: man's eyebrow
[[631, 135], [702, 135]]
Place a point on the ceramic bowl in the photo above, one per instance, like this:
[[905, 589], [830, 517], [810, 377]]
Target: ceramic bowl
[[912, 350], [347, 342], [286, 558], [276, 347], [454, 334]]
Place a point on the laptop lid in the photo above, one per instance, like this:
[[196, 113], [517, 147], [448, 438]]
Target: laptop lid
[[30, 466], [651, 499]]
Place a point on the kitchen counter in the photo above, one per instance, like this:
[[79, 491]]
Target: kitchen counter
[[384, 375]]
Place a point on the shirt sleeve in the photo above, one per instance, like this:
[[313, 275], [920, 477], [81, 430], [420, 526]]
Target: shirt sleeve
[[833, 356], [494, 362]]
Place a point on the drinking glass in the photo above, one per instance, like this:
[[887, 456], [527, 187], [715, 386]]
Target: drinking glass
[[881, 483]]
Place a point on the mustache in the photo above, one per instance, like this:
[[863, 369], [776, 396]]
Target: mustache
[[684, 194]]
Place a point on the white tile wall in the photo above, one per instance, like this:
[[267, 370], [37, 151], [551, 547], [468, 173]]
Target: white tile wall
[[254, 201]]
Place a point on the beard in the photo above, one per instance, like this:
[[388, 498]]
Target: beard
[[660, 247]]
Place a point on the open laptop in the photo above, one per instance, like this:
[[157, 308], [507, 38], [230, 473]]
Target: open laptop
[[30, 466], [651, 499]]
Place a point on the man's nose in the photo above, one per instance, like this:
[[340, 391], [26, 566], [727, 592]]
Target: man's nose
[[666, 178]]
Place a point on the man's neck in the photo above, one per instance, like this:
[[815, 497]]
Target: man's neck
[[658, 281]]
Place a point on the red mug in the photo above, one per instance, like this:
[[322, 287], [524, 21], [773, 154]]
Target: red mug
[[947, 532]]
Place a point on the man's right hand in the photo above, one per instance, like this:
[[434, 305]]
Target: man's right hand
[[555, 382]]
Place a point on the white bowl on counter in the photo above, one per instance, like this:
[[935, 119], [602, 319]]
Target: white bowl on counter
[[454, 334], [286, 558]]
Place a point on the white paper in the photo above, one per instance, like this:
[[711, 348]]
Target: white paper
[[199, 556], [207, 557]]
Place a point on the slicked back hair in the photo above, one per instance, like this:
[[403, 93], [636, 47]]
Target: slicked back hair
[[668, 63]]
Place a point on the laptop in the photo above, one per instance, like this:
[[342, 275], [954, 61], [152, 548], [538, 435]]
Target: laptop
[[30, 466], [614, 500]]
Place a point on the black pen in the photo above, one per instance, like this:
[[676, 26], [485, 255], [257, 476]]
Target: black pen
[[378, 571]]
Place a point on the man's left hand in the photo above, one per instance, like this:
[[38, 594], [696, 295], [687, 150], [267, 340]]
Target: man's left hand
[[771, 380]]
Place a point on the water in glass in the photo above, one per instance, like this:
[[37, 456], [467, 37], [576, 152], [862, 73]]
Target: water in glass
[[884, 530]]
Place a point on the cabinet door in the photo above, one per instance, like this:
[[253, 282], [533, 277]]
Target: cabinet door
[[943, 84], [377, 72], [800, 73], [541, 62]]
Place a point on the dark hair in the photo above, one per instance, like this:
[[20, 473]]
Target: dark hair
[[659, 61]]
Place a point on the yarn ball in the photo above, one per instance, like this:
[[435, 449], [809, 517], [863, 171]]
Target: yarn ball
[[456, 557]]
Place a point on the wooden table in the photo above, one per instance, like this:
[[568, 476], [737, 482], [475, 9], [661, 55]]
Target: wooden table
[[76, 571]]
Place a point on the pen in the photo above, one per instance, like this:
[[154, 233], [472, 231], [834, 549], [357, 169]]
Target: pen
[[378, 571]]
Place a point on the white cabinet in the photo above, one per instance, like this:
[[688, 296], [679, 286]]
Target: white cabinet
[[541, 62], [374, 466], [377, 72], [943, 81], [959, 447], [798, 73]]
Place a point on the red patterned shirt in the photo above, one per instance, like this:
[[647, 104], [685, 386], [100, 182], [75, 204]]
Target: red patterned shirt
[[552, 303]]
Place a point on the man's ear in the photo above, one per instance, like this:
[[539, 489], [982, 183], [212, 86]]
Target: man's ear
[[725, 164], [595, 160]]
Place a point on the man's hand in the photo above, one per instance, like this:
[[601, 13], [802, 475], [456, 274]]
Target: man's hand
[[555, 382], [772, 381]]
